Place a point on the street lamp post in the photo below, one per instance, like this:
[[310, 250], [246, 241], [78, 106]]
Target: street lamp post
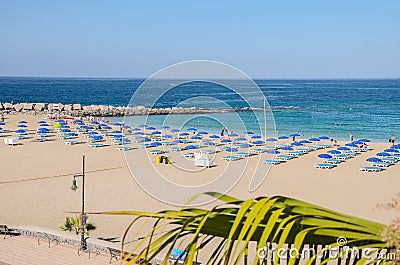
[[74, 187]]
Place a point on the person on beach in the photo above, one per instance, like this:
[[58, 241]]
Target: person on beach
[[351, 137], [392, 140], [2, 117]]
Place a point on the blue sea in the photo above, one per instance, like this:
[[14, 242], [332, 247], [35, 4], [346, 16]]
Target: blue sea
[[367, 108]]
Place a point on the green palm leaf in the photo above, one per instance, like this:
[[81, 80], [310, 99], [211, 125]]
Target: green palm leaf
[[232, 225]]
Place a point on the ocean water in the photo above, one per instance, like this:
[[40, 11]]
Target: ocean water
[[367, 108]]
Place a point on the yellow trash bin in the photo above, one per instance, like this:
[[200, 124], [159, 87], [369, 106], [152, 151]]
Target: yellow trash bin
[[158, 159], [168, 160]]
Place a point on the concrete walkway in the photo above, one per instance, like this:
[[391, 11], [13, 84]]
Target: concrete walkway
[[25, 250]]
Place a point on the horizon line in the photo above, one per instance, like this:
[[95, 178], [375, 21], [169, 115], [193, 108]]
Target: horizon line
[[255, 78]]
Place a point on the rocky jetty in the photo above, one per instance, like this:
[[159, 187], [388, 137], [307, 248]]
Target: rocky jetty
[[102, 110]]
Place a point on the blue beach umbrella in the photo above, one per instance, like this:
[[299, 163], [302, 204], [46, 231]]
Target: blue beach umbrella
[[22, 122], [189, 147], [155, 132], [383, 154], [258, 142], [154, 144], [214, 136], [126, 127], [248, 133], [138, 133], [174, 130], [343, 148], [226, 141], [334, 152], [183, 134], [351, 144], [192, 129], [43, 130], [118, 124], [22, 126], [283, 137], [196, 137], [116, 132], [73, 134], [95, 122], [240, 139], [44, 125], [167, 136], [324, 137], [231, 150], [287, 148], [39, 122], [209, 143], [136, 129], [19, 131], [373, 159], [324, 156], [65, 130], [165, 127], [233, 135], [294, 135], [256, 137], [271, 139], [142, 125], [314, 139], [305, 142], [2, 123], [146, 139], [364, 140], [297, 144], [150, 128], [273, 152], [97, 137], [245, 145], [391, 150], [64, 127], [202, 133], [177, 141], [92, 133]]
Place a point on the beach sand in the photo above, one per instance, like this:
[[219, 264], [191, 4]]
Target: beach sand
[[36, 179]]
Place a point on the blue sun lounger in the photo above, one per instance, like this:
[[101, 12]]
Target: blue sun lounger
[[324, 166], [42, 139], [230, 158], [380, 164], [371, 169], [71, 142], [156, 152], [175, 149], [96, 145], [272, 162], [333, 161], [243, 154], [284, 157], [124, 148]]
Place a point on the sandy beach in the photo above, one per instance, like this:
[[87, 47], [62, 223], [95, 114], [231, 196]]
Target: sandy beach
[[36, 179]]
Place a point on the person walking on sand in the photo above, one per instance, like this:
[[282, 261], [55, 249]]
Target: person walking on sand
[[222, 131], [351, 137], [392, 140]]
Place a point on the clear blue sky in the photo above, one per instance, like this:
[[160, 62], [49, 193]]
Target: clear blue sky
[[263, 38]]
